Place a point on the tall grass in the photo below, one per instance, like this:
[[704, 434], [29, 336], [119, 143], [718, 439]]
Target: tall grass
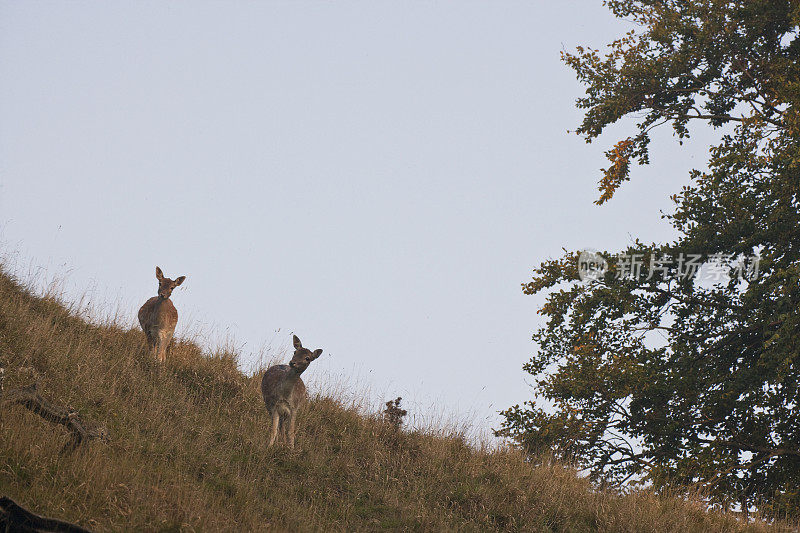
[[187, 450]]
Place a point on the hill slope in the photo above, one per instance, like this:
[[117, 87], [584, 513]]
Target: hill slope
[[187, 451]]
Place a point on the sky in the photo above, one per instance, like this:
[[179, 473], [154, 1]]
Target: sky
[[376, 177]]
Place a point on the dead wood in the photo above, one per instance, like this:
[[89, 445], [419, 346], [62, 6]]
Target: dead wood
[[13, 517], [30, 398]]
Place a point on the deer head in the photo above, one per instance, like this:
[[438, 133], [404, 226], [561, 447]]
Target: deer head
[[302, 356], [166, 285]]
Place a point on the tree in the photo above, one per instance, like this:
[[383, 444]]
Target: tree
[[662, 377]]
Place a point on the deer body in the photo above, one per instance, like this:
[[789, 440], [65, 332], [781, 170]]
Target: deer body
[[284, 392], [158, 316]]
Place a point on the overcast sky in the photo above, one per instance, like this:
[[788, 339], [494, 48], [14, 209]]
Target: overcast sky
[[376, 177]]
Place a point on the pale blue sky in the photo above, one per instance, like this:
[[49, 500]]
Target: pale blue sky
[[377, 177]]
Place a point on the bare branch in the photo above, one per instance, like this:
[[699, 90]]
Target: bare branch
[[30, 398]]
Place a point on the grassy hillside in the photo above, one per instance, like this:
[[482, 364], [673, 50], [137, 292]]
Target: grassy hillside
[[187, 451]]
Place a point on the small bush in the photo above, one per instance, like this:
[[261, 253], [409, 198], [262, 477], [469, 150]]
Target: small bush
[[393, 414]]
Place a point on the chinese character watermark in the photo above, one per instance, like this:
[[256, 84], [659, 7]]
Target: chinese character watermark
[[717, 267]]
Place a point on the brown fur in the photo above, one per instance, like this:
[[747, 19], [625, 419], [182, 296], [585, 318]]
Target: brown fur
[[284, 392], [159, 317]]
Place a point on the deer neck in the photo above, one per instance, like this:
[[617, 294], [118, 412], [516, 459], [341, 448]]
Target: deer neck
[[288, 383], [294, 373]]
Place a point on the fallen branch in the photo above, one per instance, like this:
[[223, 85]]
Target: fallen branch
[[16, 518], [30, 398]]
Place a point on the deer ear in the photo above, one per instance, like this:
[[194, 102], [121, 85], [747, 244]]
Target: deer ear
[[159, 274], [296, 342], [317, 353], [179, 280]]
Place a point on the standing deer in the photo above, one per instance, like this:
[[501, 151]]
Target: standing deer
[[159, 317], [284, 392]]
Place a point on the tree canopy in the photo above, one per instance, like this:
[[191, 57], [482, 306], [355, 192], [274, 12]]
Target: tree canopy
[[657, 375]]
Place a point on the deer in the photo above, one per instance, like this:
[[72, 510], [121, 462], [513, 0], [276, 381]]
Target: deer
[[159, 317], [284, 392]]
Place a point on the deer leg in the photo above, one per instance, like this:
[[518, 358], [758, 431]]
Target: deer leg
[[161, 345], [291, 429], [158, 348], [282, 427], [274, 429], [154, 346], [150, 340]]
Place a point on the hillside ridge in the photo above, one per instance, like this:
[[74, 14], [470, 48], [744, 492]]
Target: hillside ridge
[[186, 450]]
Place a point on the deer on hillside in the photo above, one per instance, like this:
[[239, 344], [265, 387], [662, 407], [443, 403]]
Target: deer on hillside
[[159, 317], [284, 392]]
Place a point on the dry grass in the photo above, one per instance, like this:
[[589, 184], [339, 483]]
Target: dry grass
[[187, 451]]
